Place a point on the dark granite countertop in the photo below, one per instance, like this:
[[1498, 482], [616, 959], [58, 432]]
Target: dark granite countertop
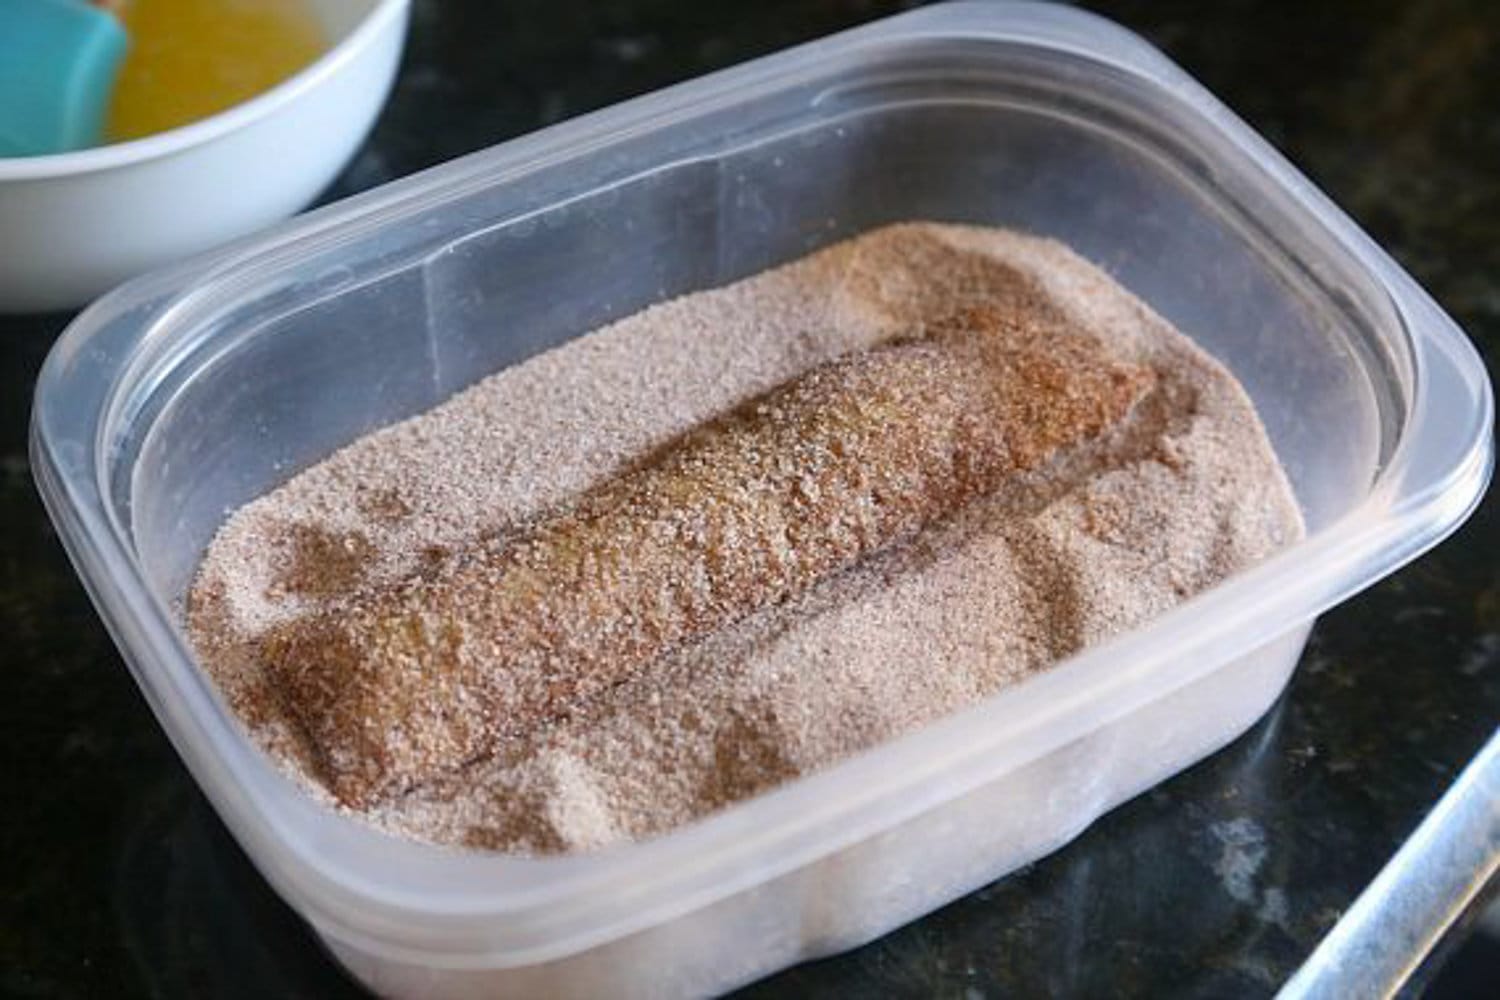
[[119, 879]]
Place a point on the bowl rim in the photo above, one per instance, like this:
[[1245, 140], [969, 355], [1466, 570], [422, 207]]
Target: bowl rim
[[203, 130]]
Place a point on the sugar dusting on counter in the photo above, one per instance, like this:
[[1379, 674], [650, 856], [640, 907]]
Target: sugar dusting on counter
[[1011, 585]]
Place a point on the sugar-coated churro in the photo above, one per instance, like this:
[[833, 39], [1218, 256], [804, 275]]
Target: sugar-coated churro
[[745, 511]]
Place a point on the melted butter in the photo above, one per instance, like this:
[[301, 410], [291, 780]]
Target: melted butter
[[189, 59]]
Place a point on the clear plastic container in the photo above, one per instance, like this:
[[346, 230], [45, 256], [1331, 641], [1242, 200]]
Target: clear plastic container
[[187, 393]]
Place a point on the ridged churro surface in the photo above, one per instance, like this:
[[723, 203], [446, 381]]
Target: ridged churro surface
[[746, 511], [732, 539]]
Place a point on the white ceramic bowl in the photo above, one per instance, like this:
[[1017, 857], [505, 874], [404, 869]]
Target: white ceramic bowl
[[75, 224]]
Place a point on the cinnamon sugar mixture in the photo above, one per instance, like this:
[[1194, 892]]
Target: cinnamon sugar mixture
[[731, 539]]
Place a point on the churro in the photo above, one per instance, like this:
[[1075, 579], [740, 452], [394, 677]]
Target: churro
[[746, 511]]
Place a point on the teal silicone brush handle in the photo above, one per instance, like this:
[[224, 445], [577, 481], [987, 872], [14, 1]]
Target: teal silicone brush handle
[[58, 60]]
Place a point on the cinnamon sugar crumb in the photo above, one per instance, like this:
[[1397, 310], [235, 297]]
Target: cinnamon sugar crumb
[[1100, 518]]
